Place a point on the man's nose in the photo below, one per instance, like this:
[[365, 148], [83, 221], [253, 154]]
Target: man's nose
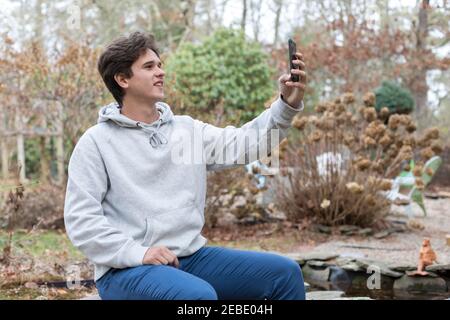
[[161, 72]]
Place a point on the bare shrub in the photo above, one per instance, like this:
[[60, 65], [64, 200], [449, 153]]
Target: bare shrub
[[339, 162]]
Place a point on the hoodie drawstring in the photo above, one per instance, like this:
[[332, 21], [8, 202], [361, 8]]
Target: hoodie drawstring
[[156, 138]]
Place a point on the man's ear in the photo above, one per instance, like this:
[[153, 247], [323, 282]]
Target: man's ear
[[121, 80]]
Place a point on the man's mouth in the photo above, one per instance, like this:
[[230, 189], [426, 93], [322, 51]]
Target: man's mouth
[[159, 84]]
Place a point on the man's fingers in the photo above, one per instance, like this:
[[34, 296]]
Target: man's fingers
[[176, 263], [299, 55], [284, 78], [162, 260], [299, 72], [300, 64], [295, 84], [171, 257]]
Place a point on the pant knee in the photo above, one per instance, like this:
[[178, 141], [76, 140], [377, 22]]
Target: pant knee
[[205, 292], [294, 269]]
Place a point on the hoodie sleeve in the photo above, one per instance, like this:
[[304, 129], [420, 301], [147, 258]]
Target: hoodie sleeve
[[85, 223], [230, 146]]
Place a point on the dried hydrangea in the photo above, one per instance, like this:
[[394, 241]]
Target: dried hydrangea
[[394, 122], [299, 123], [384, 113], [420, 184], [348, 98], [369, 99], [437, 147], [432, 133], [370, 114], [417, 171], [385, 140], [325, 203], [386, 184], [354, 187], [427, 153]]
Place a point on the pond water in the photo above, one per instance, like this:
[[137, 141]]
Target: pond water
[[386, 292]]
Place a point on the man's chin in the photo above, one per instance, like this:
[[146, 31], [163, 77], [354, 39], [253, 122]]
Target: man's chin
[[157, 97]]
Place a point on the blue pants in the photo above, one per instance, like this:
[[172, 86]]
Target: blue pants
[[211, 273]]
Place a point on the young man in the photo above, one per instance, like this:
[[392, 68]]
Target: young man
[[137, 212]]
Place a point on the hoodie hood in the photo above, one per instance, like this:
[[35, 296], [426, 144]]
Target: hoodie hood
[[111, 112]]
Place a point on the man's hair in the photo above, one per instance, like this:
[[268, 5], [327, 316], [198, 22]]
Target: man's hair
[[119, 56]]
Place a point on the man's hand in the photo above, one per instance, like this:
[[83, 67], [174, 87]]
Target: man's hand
[[160, 255], [293, 92]]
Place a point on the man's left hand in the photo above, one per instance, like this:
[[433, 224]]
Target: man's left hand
[[293, 92]]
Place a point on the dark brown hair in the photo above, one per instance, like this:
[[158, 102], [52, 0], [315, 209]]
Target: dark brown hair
[[119, 56]]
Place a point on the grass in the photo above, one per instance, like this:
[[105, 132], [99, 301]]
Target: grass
[[39, 252], [39, 244]]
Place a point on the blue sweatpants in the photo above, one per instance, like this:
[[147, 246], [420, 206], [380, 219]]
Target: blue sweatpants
[[211, 273]]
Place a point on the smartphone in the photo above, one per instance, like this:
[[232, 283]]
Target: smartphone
[[292, 56]]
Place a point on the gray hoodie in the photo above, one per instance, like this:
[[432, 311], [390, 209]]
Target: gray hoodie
[[134, 185]]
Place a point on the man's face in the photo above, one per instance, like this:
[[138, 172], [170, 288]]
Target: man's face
[[148, 78]]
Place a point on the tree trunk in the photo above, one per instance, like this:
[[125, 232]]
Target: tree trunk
[[279, 4], [44, 163], [45, 157], [60, 147], [20, 149], [419, 81], [4, 147], [244, 15], [4, 151]]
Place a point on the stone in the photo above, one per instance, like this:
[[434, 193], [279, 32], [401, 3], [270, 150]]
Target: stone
[[226, 219], [444, 194], [250, 220], [31, 285], [365, 232], [348, 229], [322, 228], [318, 263], [340, 279], [382, 234], [276, 215], [352, 266], [439, 268], [294, 256], [318, 255], [354, 298], [307, 286], [431, 195], [352, 255], [324, 295], [362, 282], [402, 267], [315, 275], [225, 199], [239, 204], [422, 284], [397, 229], [259, 199], [93, 297], [381, 266]]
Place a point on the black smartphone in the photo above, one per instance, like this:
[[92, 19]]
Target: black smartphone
[[292, 56]]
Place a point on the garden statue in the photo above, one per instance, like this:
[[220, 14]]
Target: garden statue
[[427, 257]]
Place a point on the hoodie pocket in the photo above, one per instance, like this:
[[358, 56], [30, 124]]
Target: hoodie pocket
[[176, 229]]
